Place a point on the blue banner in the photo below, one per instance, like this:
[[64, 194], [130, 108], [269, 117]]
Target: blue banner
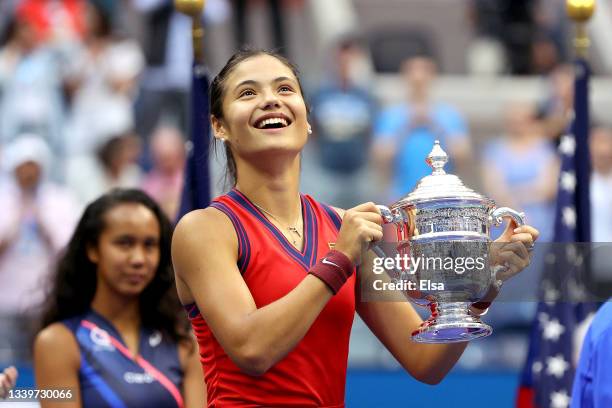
[[196, 188]]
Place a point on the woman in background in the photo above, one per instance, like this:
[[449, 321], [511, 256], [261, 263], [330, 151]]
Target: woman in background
[[112, 327]]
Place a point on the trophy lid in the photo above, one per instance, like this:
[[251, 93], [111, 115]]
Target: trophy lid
[[439, 185]]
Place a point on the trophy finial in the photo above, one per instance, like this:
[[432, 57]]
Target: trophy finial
[[192, 8], [437, 158], [580, 10]]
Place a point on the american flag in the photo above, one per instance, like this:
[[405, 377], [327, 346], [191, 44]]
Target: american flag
[[549, 371]]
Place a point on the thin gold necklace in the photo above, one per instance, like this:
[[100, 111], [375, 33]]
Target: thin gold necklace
[[289, 228]]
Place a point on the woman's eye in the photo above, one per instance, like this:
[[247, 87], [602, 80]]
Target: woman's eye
[[151, 244], [124, 243], [247, 92], [285, 88]]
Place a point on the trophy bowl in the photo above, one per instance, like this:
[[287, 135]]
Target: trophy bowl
[[443, 227]]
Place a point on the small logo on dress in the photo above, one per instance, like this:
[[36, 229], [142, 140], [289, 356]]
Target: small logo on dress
[[155, 339], [137, 378], [331, 245], [101, 339]]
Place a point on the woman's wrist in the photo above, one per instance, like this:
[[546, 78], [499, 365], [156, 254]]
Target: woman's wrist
[[481, 307], [333, 269]]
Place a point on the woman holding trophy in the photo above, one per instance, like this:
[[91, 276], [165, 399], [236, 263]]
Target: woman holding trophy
[[268, 275]]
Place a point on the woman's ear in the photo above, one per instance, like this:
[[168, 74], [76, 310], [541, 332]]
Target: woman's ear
[[218, 128], [92, 254]]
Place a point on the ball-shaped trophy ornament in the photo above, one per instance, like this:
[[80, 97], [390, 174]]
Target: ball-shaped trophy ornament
[[580, 10], [189, 7]]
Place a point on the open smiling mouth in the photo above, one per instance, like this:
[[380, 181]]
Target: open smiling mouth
[[273, 123]]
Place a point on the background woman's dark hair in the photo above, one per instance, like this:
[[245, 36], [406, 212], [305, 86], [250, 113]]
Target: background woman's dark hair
[[74, 283], [217, 93]]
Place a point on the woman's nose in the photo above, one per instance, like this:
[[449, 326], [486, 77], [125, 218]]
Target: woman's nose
[[138, 255], [270, 100]]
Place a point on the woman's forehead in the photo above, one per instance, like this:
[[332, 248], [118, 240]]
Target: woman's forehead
[[260, 68], [129, 215]]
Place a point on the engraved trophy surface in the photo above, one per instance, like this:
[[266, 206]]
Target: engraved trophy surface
[[444, 223]]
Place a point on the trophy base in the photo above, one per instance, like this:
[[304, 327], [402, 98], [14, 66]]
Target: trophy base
[[451, 323]]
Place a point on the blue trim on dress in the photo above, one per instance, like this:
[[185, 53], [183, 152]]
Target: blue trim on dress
[[100, 385], [333, 215], [303, 257], [192, 310], [244, 247]]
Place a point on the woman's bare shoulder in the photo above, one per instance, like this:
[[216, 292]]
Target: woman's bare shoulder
[[208, 233], [202, 224], [56, 337]]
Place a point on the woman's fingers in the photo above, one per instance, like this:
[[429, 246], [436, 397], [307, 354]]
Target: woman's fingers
[[525, 233], [12, 375], [4, 385], [372, 230], [367, 207], [528, 229], [513, 262], [371, 216], [518, 247], [361, 225], [523, 237]]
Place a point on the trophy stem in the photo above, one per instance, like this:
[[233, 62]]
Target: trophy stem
[[451, 322]]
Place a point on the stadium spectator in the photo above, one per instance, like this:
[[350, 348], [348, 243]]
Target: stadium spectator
[[164, 87], [36, 220], [556, 109], [343, 111], [102, 79], [404, 134], [55, 21], [166, 81], [520, 170], [241, 9], [31, 82], [114, 164], [165, 180], [513, 23]]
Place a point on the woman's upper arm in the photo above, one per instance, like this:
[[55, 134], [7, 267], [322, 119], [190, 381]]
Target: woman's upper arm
[[204, 254], [57, 363], [194, 388]]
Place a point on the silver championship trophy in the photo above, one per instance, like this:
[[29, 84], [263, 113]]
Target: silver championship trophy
[[443, 228]]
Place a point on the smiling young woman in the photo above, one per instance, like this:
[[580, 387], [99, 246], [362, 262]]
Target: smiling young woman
[[271, 304], [112, 333]]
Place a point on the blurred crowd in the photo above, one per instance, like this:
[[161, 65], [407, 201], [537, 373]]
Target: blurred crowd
[[94, 95], [529, 36]]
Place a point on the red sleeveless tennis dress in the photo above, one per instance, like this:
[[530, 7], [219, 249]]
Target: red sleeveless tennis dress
[[313, 374]]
